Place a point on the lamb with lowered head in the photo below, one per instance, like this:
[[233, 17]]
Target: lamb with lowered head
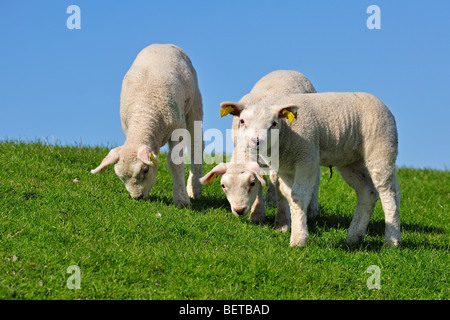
[[159, 95]]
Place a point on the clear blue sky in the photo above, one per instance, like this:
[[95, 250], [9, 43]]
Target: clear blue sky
[[65, 84]]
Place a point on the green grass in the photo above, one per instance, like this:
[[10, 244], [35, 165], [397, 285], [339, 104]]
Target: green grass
[[125, 250]]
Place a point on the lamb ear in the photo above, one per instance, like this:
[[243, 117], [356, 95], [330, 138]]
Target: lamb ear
[[287, 111], [228, 107], [256, 169], [111, 158], [218, 170], [146, 156]]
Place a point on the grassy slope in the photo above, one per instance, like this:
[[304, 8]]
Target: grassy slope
[[126, 251]]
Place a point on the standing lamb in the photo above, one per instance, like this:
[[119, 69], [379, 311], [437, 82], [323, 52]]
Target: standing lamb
[[159, 95], [242, 182], [276, 84], [355, 132]]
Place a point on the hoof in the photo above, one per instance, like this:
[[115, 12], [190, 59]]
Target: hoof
[[298, 241], [182, 201], [390, 243], [257, 217], [283, 228], [194, 192]]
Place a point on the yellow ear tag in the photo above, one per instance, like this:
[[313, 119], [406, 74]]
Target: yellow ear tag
[[210, 181], [153, 160], [289, 115], [225, 111]]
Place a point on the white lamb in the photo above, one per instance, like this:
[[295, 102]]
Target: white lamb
[[242, 182], [159, 94], [355, 132], [275, 84]]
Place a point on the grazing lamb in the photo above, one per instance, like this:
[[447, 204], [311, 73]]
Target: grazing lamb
[[355, 132], [159, 94], [243, 186], [242, 183]]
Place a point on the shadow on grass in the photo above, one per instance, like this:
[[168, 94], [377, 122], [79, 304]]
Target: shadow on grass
[[339, 220], [205, 203], [322, 223], [330, 220]]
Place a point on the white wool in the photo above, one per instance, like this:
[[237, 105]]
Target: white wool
[[159, 95]]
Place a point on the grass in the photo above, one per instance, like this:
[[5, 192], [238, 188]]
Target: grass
[[128, 249]]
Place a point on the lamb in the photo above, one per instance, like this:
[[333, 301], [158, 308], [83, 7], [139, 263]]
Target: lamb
[[275, 84], [243, 183], [159, 95], [355, 132]]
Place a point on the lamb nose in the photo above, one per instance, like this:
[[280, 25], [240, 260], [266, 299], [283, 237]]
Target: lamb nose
[[239, 211]]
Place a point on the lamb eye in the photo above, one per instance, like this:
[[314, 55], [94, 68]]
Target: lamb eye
[[145, 170], [274, 124], [252, 184], [223, 186], [242, 121]]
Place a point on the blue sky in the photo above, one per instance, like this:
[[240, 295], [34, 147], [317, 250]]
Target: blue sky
[[65, 84]]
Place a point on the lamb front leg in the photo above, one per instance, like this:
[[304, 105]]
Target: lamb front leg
[[258, 213], [283, 217], [298, 195]]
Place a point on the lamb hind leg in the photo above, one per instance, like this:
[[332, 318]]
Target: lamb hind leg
[[195, 150], [357, 176], [313, 207], [390, 200], [271, 193], [258, 213], [177, 171], [389, 190]]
